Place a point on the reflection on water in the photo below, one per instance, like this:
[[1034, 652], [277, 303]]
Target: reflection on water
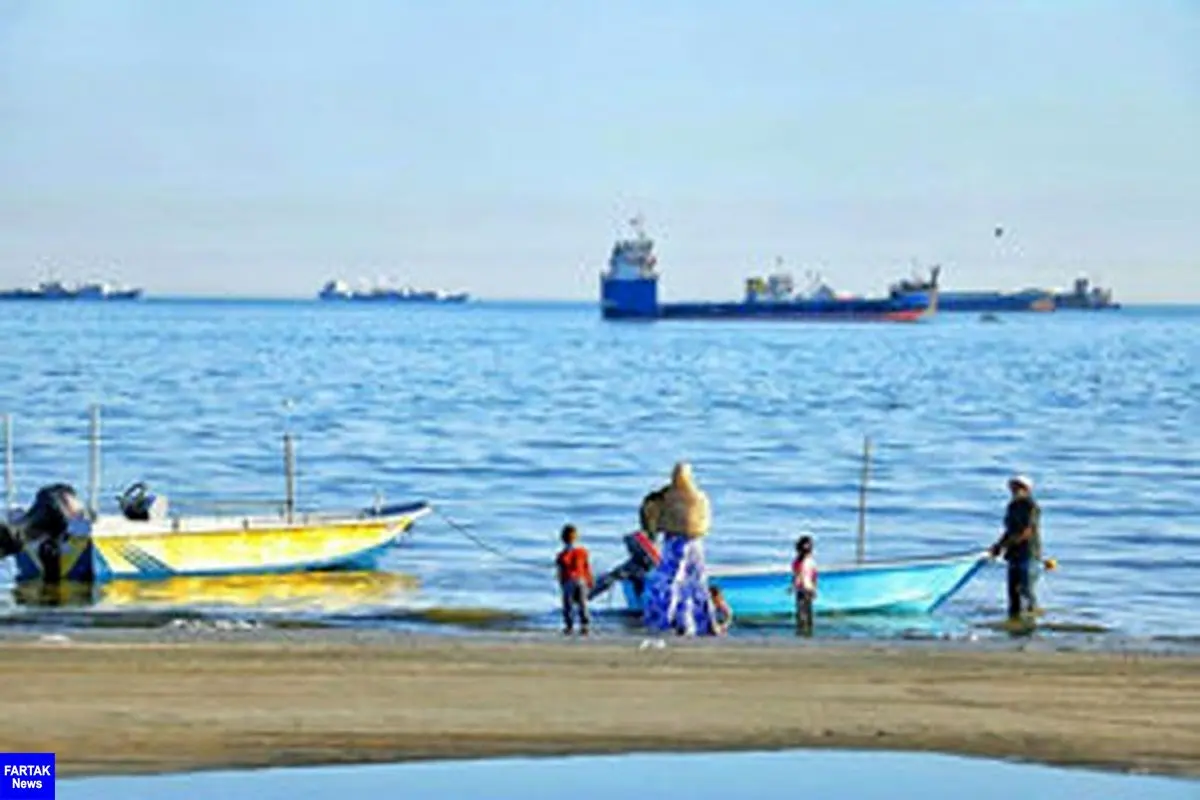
[[764, 776], [317, 592], [370, 598], [304, 599]]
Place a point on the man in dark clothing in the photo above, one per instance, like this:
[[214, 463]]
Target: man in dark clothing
[[1021, 544]]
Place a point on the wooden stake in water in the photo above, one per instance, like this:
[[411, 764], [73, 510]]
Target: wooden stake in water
[[10, 482], [862, 500], [94, 462], [289, 475]]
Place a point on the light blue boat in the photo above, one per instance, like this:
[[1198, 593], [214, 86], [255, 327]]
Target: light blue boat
[[910, 586]]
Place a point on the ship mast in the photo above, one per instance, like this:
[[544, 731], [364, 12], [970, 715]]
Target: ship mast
[[638, 223]]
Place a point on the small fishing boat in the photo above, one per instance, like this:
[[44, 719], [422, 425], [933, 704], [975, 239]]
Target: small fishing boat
[[118, 547], [912, 586], [58, 539], [904, 586]]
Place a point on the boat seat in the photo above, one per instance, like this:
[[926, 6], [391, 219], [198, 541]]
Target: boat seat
[[138, 504]]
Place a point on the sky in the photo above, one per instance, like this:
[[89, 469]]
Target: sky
[[262, 147]]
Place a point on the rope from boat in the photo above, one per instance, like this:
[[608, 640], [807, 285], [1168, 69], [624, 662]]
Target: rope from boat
[[496, 551]]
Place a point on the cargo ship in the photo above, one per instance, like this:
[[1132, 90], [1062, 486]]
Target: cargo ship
[[381, 293], [986, 302], [57, 290], [1085, 297], [629, 291]]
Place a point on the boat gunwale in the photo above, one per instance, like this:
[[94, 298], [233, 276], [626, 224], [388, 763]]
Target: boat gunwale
[[772, 570], [225, 525]]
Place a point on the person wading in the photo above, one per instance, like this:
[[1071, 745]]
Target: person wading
[[1021, 544]]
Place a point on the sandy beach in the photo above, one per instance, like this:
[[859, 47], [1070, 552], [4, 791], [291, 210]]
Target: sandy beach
[[146, 703]]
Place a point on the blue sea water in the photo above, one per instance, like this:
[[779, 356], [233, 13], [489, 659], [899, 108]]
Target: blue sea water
[[706, 776], [515, 418]]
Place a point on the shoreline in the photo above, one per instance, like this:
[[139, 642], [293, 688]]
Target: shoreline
[[147, 702]]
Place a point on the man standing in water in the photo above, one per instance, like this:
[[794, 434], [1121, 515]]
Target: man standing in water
[[1021, 544]]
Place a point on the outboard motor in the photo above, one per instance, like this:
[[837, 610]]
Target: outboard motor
[[46, 523], [53, 508], [643, 558]]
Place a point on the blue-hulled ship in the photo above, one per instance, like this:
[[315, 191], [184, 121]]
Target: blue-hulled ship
[[629, 291]]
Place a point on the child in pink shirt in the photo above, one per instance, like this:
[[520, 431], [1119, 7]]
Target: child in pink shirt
[[804, 584]]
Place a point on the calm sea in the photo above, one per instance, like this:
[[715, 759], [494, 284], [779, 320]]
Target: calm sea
[[515, 418]]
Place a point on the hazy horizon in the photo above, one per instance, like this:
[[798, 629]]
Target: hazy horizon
[[264, 148]]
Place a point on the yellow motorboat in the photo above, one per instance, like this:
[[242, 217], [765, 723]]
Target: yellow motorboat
[[58, 539]]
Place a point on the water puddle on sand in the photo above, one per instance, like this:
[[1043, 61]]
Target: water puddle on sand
[[705, 776]]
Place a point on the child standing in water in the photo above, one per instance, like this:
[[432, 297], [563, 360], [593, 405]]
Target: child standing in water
[[574, 579], [804, 584]]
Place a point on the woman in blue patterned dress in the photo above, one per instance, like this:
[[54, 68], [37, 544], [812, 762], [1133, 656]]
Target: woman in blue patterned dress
[[676, 596]]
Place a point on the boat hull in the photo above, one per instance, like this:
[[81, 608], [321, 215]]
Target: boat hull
[[637, 299], [995, 302], [917, 586], [134, 294], [133, 550], [864, 310]]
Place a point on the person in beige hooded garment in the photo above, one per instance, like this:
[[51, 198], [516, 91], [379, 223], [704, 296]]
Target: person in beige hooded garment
[[676, 596], [685, 508]]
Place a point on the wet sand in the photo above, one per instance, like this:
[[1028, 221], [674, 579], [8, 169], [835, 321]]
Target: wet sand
[[108, 703]]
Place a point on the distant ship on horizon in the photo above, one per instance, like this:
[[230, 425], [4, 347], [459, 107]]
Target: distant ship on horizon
[[629, 291], [339, 290], [1083, 296], [60, 290]]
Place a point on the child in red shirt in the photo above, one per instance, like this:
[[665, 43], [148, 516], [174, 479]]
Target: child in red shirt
[[574, 579], [804, 584]]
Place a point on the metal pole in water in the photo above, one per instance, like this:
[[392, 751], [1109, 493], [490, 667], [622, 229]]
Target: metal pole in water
[[289, 463], [862, 500], [94, 463], [289, 474], [10, 483]]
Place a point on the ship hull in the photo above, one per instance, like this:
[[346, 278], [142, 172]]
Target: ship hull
[[800, 311], [991, 302], [81, 297], [1072, 303]]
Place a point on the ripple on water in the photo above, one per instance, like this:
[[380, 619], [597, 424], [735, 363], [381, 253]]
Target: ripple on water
[[517, 419]]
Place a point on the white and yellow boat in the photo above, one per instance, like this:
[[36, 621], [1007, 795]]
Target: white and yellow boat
[[57, 539], [120, 547]]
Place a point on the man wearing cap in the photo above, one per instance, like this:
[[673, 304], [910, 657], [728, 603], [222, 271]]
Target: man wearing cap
[[1021, 544]]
